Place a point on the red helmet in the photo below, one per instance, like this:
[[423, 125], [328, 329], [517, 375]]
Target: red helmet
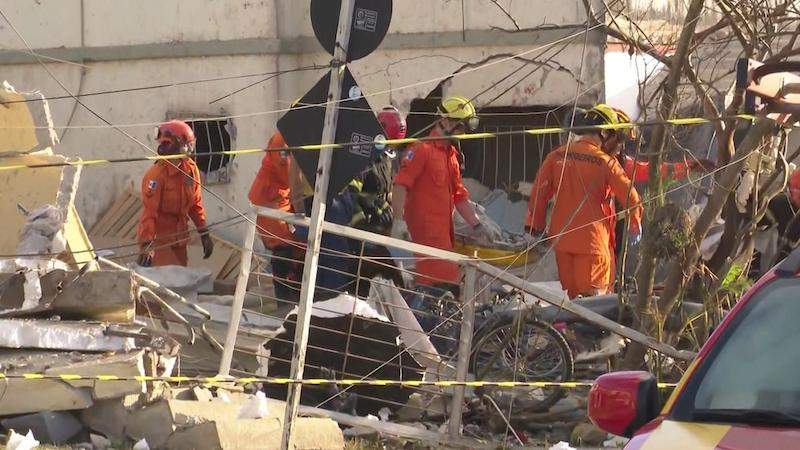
[[392, 122], [794, 187], [175, 132]]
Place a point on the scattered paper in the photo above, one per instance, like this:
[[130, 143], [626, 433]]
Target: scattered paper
[[254, 408], [19, 442], [562, 446]]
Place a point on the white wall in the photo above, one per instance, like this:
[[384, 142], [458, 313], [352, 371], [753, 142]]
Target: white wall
[[106, 23]]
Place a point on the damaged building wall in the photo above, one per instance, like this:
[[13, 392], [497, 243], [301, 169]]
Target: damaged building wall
[[234, 38]]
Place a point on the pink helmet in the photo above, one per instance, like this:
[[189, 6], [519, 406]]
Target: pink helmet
[[794, 187], [392, 122], [175, 132]]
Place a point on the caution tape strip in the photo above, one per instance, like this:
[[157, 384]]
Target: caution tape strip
[[308, 382], [317, 147]]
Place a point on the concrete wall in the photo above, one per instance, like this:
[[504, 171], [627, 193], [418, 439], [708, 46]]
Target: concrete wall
[[114, 44]]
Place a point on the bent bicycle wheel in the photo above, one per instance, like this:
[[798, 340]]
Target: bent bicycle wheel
[[523, 350]]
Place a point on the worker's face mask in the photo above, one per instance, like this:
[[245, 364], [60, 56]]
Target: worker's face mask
[[172, 147]]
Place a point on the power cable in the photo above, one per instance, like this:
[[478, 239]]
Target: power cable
[[315, 147], [167, 85]]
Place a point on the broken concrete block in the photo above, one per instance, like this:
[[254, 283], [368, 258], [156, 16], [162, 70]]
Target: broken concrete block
[[106, 295], [23, 396], [310, 433], [59, 335], [109, 416], [49, 427], [99, 442], [157, 422], [122, 365], [202, 394]]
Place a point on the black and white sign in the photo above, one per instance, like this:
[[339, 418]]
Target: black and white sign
[[371, 20], [357, 123]]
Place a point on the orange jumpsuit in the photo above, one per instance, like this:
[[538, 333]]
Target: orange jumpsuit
[[431, 173], [638, 171], [582, 208], [271, 189], [170, 197]]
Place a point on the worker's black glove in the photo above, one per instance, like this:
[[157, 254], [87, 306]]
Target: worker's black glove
[[382, 215], [146, 254], [208, 243]]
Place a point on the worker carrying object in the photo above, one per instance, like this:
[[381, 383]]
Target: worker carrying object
[[583, 177], [428, 187], [272, 188], [171, 194], [363, 204]]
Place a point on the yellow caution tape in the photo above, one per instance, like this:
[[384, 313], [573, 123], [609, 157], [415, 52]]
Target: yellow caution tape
[[462, 137], [308, 381]]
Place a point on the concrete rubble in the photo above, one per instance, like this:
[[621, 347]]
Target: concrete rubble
[[81, 322]]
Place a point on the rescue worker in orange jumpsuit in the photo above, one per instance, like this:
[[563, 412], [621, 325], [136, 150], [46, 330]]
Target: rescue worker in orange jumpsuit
[[171, 195], [583, 177], [638, 172], [428, 187], [272, 187]]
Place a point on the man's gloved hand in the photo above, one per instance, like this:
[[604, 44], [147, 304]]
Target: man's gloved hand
[[385, 215], [146, 254], [208, 243], [400, 230], [380, 213]]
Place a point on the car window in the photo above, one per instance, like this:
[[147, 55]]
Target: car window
[[756, 362]]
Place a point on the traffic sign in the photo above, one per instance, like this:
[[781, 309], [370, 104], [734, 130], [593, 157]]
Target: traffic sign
[[303, 123], [371, 20]]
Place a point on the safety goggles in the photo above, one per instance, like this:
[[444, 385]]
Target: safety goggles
[[470, 124]]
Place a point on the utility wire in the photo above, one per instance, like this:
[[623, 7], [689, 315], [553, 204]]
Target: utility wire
[[463, 137], [167, 85]]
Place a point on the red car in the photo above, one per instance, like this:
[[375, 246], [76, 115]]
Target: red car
[[741, 392]]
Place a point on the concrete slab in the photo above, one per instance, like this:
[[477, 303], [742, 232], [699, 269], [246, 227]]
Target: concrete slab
[[49, 427], [311, 433]]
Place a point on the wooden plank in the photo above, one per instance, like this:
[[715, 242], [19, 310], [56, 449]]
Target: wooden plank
[[110, 212], [230, 268], [119, 219], [129, 230], [112, 215], [215, 263], [78, 242]]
